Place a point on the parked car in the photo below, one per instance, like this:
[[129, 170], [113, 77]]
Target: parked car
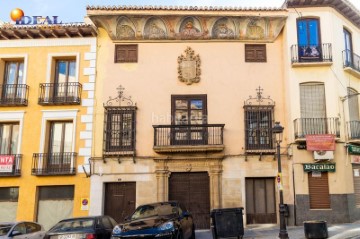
[[158, 220], [20, 230], [93, 227]]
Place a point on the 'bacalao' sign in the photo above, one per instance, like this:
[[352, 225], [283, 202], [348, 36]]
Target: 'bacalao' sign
[[6, 163], [320, 142], [319, 167]]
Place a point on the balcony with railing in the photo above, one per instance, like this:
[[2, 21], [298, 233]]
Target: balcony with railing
[[60, 93], [304, 126], [311, 55], [351, 63], [353, 131], [14, 95], [47, 164], [188, 138], [10, 165]]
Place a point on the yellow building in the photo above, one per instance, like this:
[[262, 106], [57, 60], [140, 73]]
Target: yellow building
[[46, 105]]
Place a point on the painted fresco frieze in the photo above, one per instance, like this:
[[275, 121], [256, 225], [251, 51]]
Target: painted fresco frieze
[[223, 29], [125, 29], [155, 29], [191, 29], [189, 67], [197, 28]]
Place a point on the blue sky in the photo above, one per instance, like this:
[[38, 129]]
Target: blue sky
[[75, 10]]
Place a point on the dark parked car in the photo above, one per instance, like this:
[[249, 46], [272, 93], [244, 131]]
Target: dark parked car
[[20, 230], [162, 220], [96, 227]]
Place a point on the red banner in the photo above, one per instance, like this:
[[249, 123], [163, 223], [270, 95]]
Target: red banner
[[320, 142], [6, 163]]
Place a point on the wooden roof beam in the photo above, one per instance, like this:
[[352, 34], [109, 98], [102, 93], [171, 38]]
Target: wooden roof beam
[[54, 34], [80, 32], [29, 34], [67, 33], [17, 34]]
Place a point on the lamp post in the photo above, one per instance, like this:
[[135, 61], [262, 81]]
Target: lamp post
[[278, 131]]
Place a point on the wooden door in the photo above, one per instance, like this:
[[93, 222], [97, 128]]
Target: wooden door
[[120, 200], [193, 191], [260, 200]]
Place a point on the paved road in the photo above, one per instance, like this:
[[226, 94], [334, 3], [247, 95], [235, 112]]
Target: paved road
[[339, 231]]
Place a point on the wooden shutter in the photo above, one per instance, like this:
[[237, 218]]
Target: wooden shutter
[[126, 53], [356, 176], [319, 190], [353, 102], [255, 53]]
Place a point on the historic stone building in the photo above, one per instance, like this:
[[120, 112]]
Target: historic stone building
[[186, 98], [46, 109]]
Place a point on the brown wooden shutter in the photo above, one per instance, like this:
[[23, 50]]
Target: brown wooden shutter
[[319, 191], [126, 53], [356, 184], [255, 53]]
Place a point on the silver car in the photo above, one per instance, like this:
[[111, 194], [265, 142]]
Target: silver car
[[21, 230]]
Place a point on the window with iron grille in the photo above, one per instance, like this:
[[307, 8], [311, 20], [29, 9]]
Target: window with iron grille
[[255, 53], [119, 131], [258, 124], [126, 53]]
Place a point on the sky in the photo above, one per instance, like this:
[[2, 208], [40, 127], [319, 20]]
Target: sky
[[75, 10]]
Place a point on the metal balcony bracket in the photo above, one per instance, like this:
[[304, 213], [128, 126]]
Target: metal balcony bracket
[[103, 159], [134, 159], [246, 157], [260, 156], [119, 160], [274, 156]]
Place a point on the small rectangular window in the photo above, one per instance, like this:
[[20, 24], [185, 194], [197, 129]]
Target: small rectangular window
[[126, 53], [255, 53]]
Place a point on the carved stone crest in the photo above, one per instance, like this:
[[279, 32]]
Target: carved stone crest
[[189, 67]]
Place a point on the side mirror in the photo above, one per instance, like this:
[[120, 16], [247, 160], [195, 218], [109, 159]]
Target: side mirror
[[16, 233]]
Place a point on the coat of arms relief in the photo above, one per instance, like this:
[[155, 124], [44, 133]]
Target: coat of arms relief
[[189, 67]]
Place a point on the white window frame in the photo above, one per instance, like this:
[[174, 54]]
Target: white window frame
[[14, 116], [10, 57]]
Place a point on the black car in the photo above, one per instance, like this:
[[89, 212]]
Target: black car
[[96, 227], [162, 220]]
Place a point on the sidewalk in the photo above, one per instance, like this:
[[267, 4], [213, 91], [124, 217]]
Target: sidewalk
[[271, 231]]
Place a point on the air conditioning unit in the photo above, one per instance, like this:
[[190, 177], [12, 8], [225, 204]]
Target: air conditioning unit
[[319, 155]]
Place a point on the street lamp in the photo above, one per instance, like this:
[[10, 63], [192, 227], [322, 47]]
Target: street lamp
[[278, 131]]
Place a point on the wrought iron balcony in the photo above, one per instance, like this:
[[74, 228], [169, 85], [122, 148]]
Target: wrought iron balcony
[[60, 93], [311, 53], [45, 164], [353, 130], [351, 60], [188, 138], [304, 126], [10, 165], [14, 95]]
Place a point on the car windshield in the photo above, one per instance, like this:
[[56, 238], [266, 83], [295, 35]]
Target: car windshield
[[5, 228], [161, 209], [75, 224]]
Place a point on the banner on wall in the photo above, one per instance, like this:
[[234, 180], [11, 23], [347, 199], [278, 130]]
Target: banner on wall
[[6, 163], [320, 142]]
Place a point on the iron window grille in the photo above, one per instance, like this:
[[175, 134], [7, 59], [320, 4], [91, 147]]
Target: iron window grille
[[259, 118]]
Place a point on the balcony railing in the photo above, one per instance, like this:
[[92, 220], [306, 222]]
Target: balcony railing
[[351, 60], [10, 165], [176, 136], [60, 94], [353, 130], [54, 164], [304, 126], [14, 95], [311, 53]]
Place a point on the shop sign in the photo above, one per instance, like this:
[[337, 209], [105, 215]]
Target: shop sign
[[352, 149], [6, 163], [319, 167], [320, 142]]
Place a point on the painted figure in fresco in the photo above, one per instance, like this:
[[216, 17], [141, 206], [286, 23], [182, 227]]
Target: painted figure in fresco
[[124, 32], [222, 31], [254, 31], [190, 31], [156, 32]]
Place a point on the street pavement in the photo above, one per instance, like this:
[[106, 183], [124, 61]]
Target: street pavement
[[271, 231]]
